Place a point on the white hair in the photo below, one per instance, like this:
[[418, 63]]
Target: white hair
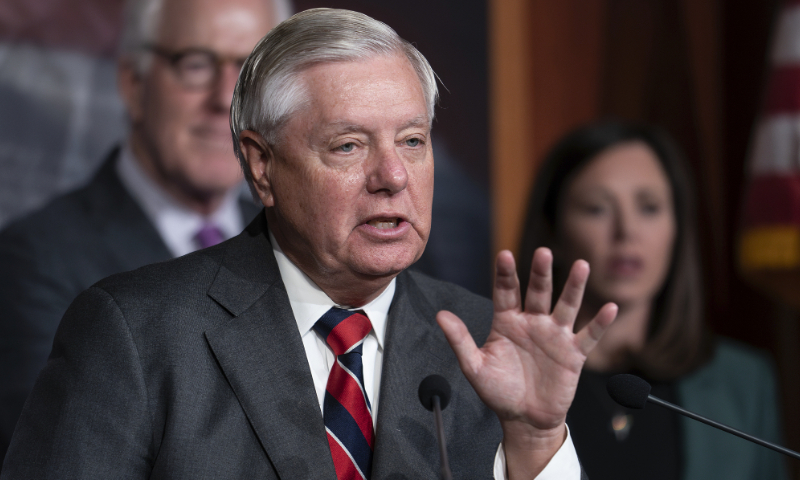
[[141, 21], [268, 91]]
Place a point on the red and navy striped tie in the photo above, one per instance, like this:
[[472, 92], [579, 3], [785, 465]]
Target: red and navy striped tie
[[346, 409]]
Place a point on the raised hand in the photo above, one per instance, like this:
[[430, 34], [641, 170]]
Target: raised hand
[[528, 369]]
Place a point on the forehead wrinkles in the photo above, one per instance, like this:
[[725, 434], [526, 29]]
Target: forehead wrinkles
[[341, 87]]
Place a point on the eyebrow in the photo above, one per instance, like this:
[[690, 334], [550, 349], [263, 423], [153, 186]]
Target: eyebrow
[[347, 127], [418, 121]]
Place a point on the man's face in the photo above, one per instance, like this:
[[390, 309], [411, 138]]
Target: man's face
[[350, 183], [182, 135]]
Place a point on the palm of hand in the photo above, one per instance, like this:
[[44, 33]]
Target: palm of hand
[[528, 369]]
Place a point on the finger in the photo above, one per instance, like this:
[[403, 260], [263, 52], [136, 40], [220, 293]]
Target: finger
[[589, 335], [540, 285], [460, 341], [569, 302], [506, 294]]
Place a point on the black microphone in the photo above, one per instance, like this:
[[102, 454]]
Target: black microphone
[[434, 393], [632, 392]]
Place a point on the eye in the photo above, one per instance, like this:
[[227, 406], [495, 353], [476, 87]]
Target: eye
[[194, 62], [650, 208], [347, 147], [196, 69], [413, 142], [593, 209]]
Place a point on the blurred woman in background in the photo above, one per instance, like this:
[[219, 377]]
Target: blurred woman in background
[[617, 195]]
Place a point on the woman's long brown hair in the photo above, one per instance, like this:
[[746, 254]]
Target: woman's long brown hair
[[678, 338]]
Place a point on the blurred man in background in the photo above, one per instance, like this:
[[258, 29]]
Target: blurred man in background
[[173, 187]]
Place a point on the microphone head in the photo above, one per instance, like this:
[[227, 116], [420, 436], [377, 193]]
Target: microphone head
[[434, 385], [628, 390]]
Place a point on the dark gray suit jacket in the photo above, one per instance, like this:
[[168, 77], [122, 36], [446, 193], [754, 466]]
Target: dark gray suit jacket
[[194, 368], [52, 255]]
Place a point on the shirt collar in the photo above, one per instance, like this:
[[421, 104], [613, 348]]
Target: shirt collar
[[309, 302], [176, 224]]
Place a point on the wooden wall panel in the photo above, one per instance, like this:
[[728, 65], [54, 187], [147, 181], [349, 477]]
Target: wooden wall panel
[[511, 120], [545, 79]]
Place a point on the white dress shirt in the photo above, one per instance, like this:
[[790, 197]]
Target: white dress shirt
[[309, 303], [176, 224]]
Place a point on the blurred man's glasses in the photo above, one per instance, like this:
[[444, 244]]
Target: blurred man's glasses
[[196, 68]]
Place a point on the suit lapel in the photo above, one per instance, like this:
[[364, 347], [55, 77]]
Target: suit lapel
[[262, 356], [124, 227], [122, 224], [414, 348]]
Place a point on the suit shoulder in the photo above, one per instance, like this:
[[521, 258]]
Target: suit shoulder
[[60, 214], [70, 215], [44, 242], [741, 360], [736, 369], [449, 296], [195, 269]]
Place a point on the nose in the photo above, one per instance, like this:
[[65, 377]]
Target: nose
[[221, 92], [387, 172], [624, 223]]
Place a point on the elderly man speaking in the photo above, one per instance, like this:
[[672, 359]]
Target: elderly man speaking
[[295, 349]]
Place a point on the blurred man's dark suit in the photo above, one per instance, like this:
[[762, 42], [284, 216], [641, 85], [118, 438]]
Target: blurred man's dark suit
[[195, 368], [48, 257]]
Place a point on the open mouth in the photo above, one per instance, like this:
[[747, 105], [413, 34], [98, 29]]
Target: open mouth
[[624, 265], [384, 223]]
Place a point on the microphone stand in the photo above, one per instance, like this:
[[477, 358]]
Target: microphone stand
[[437, 417], [723, 427]]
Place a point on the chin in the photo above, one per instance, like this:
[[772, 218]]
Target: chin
[[216, 179], [381, 270], [625, 296], [385, 264]]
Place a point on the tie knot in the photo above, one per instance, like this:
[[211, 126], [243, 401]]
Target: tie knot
[[208, 235], [343, 330]]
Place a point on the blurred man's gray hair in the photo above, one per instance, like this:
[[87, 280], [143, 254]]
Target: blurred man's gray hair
[[141, 21], [268, 92]]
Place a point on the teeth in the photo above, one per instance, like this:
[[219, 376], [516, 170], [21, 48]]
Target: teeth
[[383, 223]]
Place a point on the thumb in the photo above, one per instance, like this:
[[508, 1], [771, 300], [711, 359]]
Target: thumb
[[460, 341]]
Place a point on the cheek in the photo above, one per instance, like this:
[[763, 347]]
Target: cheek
[[593, 252], [420, 186], [173, 111], [586, 239], [662, 241], [334, 201], [164, 125], [341, 188]]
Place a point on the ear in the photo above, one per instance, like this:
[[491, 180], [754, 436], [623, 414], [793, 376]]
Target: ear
[[259, 157], [131, 88]]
